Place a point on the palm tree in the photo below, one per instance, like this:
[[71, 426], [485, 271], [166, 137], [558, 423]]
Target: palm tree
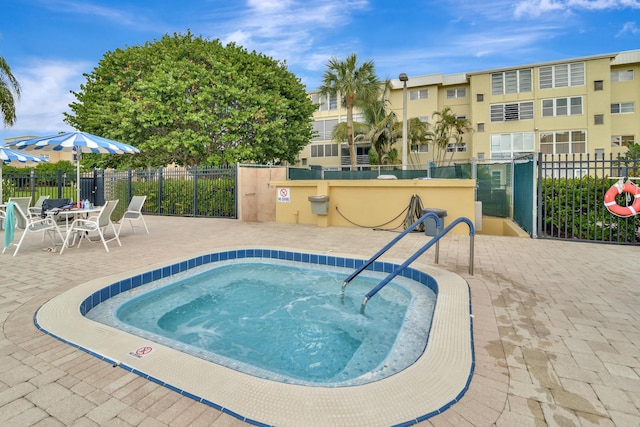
[[380, 123], [8, 87], [417, 132], [351, 81], [391, 157], [379, 126], [448, 129]]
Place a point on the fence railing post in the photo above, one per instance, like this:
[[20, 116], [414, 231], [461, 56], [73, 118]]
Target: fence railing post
[[160, 197], [60, 183], [195, 191]]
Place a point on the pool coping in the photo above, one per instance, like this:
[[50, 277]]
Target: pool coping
[[432, 384]]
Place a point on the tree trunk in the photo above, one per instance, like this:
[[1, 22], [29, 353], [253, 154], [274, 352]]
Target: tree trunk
[[352, 149]]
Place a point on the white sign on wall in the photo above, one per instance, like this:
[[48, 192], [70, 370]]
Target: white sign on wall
[[284, 195]]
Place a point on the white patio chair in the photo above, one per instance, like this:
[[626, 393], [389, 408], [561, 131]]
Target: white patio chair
[[93, 224], [133, 213], [31, 225], [36, 209], [23, 202]]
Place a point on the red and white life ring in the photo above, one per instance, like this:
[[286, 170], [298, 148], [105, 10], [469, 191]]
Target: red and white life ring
[[616, 209]]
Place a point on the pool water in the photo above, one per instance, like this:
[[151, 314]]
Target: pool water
[[280, 321]]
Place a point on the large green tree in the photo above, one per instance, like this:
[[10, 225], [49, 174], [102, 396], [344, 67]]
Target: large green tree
[[9, 92], [351, 81], [193, 101]]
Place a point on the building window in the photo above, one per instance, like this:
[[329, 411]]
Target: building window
[[511, 112], [333, 102], [623, 107], [622, 140], [420, 148], [324, 150], [511, 82], [622, 76], [356, 118], [325, 103], [480, 97], [562, 75], [598, 119], [458, 148], [323, 129], [562, 106], [418, 94], [598, 85], [456, 93], [563, 142], [510, 145], [480, 126]]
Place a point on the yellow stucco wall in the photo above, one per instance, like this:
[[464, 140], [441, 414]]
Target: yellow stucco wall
[[373, 203]]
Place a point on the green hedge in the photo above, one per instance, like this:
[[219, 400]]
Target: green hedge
[[216, 197]]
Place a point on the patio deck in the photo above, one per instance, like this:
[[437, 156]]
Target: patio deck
[[556, 330]]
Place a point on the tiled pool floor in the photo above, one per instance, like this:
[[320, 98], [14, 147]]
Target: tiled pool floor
[[556, 327]]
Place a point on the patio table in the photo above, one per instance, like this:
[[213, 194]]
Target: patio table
[[71, 214]]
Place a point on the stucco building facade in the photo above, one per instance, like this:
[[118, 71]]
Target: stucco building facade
[[585, 105]]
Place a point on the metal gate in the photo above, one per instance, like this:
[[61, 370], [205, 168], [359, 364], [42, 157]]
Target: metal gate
[[571, 198], [523, 193]]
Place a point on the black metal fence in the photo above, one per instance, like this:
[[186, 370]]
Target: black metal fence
[[571, 198], [198, 192], [569, 201]]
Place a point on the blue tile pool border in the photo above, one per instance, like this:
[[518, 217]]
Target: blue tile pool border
[[182, 266], [124, 285]]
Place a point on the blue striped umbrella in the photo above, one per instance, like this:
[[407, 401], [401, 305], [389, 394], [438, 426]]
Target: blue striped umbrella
[[77, 142], [8, 155]]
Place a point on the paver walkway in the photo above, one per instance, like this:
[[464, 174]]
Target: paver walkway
[[556, 329]]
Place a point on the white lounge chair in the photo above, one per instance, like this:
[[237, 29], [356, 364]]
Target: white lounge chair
[[133, 213], [30, 225], [23, 202], [96, 223]]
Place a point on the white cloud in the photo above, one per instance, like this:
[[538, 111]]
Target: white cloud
[[629, 28], [288, 29], [239, 37], [270, 5], [537, 8], [46, 95], [133, 15], [541, 7]]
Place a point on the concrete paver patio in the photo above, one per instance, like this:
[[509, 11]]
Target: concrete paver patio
[[556, 330]]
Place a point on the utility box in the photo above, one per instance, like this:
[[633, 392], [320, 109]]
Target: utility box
[[319, 204], [430, 226]]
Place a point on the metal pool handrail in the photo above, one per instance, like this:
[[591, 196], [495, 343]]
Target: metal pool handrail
[[420, 252], [391, 243]]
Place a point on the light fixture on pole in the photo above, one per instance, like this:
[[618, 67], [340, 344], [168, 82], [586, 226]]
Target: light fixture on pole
[[404, 78]]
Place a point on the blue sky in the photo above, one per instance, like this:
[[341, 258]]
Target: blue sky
[[49, 44]]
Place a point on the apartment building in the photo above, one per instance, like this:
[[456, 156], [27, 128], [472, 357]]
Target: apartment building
[[573, 106]]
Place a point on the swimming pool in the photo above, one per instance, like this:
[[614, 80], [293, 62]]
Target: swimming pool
[[280, 320], [437, 379]]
